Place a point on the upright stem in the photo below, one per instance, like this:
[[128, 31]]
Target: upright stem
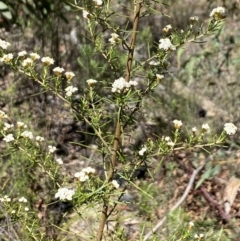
[[133, 42], [117, 134]]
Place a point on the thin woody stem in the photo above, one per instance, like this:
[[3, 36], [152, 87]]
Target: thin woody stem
[[133, 42], [117, 134]]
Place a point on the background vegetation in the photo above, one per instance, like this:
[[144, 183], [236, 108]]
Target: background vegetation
[[202, 87]]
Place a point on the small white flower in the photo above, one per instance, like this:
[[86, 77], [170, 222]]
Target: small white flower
[[154, 63], [159, 77], [167, 138], [230, 128], [4, 44], [166, 45], [70, 90], [26, 209], [191, 224], [142, 151], [201, 235], [194, 129], [170, 143], [167, 28], [51, 149], [91, 82], [121, 85], [47, 61], [3, 115], [39, 139], [196, 236], [5, 199], [21, 125], [8, 138], [193, 20], [69, 75], [13, 211], [98, 3], [22, 200], [58, 71], [22, 53], [86, 14], [115, 184], [218, 13], [81, 176], [88, 170], [205, 127], [65, 193], [7, 126], [59, 161], [27, 62], [34, 56], [177, 124], [27, 134], [6, 58], [114, 39], [133, 83]]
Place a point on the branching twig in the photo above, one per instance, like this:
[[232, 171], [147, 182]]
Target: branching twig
[[179, 202]]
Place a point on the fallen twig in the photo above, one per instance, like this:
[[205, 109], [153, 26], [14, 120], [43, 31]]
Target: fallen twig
[[179, 202]]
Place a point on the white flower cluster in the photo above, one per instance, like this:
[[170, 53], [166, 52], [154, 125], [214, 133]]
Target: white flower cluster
[[22, 200], [86, 14], [39, 139], [22, 53], [154, 63], [177, 124], [51, 149], [6, 58], [47, 61], [69, 75], [65, 194], [199, 236], [58, 71], [28, 62], [121, 85], [166, 44], [3, 115], [70, 90], [169, 141], [230, 128], [27, 135], [218, 13], [115, 184], [21, 125], [9, 138], [98, 3], [4, 44], [7, 126], [159, 77], [84, 174], [142, 151], [35, 56], [6, 199], [193, 19], [205, 127], [167, 28], [91, 82], [114, 38]]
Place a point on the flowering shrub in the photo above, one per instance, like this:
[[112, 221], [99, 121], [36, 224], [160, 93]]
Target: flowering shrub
[[122, 103]]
